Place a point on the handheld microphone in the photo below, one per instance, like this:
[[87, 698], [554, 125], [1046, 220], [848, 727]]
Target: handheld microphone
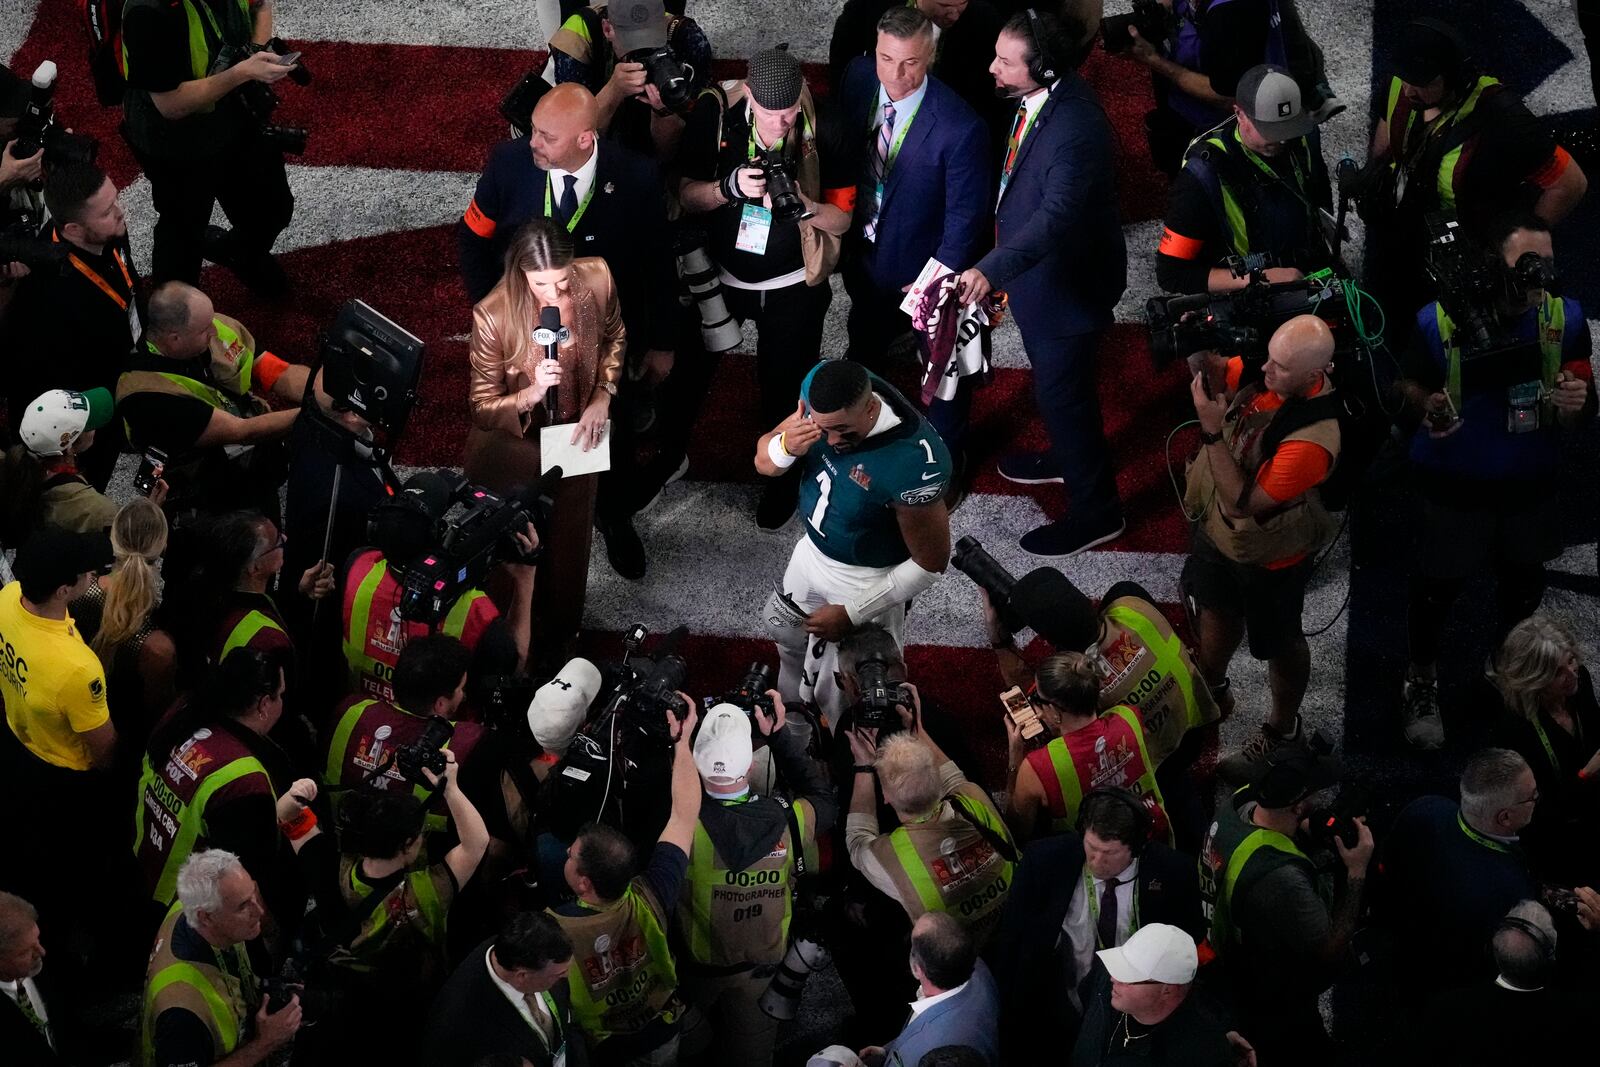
[[550, 333]]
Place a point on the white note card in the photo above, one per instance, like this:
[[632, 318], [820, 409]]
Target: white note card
[[557, 450]]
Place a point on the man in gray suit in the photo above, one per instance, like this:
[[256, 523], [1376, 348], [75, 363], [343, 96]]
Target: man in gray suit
[[957, 1003]]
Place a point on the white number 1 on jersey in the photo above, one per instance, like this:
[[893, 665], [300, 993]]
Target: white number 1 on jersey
[[821, 509], [926, 447]]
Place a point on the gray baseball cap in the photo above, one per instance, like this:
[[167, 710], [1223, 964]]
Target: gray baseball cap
[[637, 24], [1271, 99]]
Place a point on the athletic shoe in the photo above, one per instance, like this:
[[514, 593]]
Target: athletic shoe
[[624, 549], [1424, 726], [1070, 536], [778, 500], [1030, 468], [1241, 767]]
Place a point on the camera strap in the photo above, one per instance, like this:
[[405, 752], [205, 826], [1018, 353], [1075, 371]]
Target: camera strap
[[1006, 849], [796, 838]]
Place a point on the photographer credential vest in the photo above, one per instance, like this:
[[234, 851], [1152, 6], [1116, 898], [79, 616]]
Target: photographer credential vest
[[213, 128], [622, 976], [1234, 856], [220, 1001], [1146, 666]]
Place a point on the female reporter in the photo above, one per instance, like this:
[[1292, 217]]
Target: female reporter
[[512, 401]]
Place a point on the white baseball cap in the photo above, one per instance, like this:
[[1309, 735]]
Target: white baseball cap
[[1155, 953], [58, 418], [722, 749], [561, 704]]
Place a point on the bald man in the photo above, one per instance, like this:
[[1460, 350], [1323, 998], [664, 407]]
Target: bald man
[[611, 200], [1270, 437]]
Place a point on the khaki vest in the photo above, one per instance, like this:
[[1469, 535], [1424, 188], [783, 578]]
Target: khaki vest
[[222, 1003], [727, 917], [1147, 667], [1297, 527], [623, 976], [232, 357]]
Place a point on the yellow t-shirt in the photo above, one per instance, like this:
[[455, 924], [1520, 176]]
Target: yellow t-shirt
[[52, 683]]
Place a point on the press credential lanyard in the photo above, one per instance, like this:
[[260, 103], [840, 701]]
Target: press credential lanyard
[[1094, 907], [549, 209]]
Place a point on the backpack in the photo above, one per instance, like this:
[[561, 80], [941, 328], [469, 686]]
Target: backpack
[[102, 20]]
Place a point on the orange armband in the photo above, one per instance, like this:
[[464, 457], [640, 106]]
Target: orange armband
[[478, 222], [1178, 246], [844, 198], [267, 369]]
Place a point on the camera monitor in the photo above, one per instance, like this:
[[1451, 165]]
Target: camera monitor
[[371, 366]]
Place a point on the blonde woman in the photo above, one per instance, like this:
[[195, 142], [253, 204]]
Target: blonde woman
[[116, 618], [1547, 713]]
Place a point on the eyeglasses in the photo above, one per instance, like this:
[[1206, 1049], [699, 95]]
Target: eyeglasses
[[282, 540]]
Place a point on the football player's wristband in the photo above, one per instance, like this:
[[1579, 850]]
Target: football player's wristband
[[778, 454]]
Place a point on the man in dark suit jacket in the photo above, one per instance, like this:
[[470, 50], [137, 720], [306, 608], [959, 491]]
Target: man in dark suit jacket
[[1060, 257], [612, 203], [508, 997], [31, 1015], [1043, 950], [922, 190]]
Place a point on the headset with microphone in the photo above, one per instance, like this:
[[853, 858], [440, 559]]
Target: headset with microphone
[[1042, 65]]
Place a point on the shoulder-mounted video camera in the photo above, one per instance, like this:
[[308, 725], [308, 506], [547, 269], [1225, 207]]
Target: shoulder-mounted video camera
[[1476, 287], [1241, 322], [647, 687]]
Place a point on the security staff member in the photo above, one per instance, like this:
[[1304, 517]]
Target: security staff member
[[431, 677], [191, 389], [1278, 939], [624, 981], [212, 777], [592, 50], [1252, 493], [202, 998], [951, 852], [198, 146], [1093, 750], [610, 200], [1486, 459], [1253, 187], [748, 855], [76, 326], [1452, 140]]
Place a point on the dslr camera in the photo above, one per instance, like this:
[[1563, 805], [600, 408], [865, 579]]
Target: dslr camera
[[672, 77], [786, 203], [259, 101], [879, 697], [39, 130], [751, 693], [1154, 21], [426, 752]]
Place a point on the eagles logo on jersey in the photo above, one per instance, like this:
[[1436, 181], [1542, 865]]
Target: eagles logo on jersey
[[848, 497]]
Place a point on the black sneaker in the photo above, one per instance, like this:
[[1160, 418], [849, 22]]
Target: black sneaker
[[778, 499], [1058, 540], [624, 549], [1030, 468], [1423, 725]]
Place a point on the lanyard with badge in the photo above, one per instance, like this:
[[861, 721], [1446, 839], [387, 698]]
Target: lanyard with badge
[[894, 148], [549, 210], [554, 1042], [105, 287], [755, 220], [1487, 842], [1094, 907]]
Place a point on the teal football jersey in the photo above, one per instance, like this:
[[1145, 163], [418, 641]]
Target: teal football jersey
[[847, 498]]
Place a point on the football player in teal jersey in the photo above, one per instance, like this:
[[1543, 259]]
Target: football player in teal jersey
[[874, 475]]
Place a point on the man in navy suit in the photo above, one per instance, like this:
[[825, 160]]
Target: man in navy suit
[[957, 1003], [922, 190], [1060, 257], [611, 200]]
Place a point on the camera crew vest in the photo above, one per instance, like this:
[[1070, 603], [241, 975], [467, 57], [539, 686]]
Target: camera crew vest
[[948, 864], [253, 627], [1450, 135], [1234, 856], [1186, 53], [1261, 210], [818, 250], [210, 29], [1148, 668], [222, 1003], [623, 976], [374, 632], [1109, 754], [1551, 331], [170, 822], [732, 918], [232, 356], [400, 934], [367, 734], [1295, 528]]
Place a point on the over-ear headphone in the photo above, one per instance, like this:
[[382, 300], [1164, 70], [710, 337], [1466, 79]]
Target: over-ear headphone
[[1144, 825], [1540, 939], [1042, 67]]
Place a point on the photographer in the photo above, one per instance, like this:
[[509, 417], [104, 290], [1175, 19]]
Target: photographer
[[73, 327], [213, 777], [1486, 457], [375, 634], [1259, 520], [198, 144], [19, 203], [42, 481], [1254, 187], [951, 852], [773, 269], [1277, 938], [1092, 750], [383, 909], [734, 912], [190, 390], [203, 1003], [618, 65], [1450, 139], [624, 982]]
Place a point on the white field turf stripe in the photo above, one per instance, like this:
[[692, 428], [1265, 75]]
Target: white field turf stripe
[[16, 20]]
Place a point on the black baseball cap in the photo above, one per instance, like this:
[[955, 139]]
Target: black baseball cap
[[1293, 772], [52, 557], [1046, 601], [1429, 48]]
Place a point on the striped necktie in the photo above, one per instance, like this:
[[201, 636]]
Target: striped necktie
[[1015, 142], [879, 169]]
